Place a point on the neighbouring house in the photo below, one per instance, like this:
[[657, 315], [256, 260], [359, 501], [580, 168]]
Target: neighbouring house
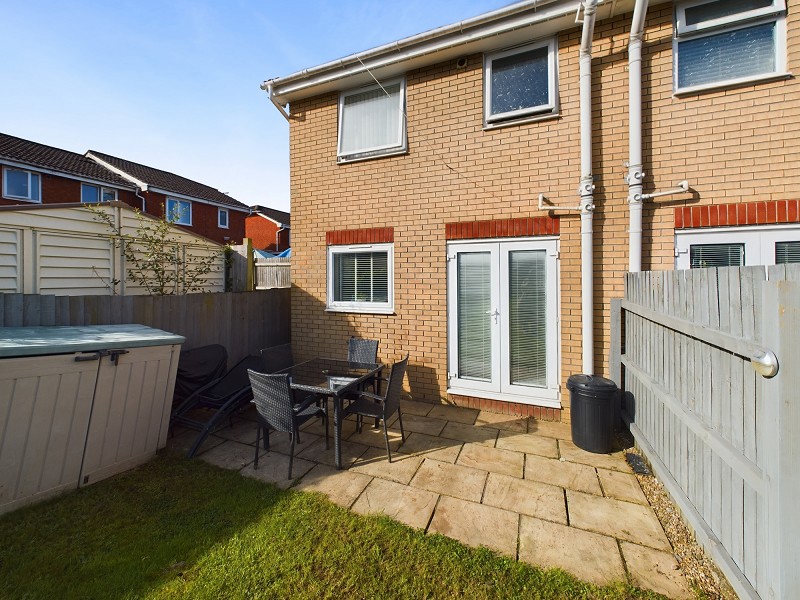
[[34, 173], [63, 249], [268, 228], [475, 194]]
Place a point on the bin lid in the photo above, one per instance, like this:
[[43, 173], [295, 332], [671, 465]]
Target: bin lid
[[38, 341], [593, 383]]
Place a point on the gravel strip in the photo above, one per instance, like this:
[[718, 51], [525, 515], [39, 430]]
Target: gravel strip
[[698, 568]]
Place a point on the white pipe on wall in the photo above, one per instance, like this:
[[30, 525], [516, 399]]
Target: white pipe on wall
[[635, 169], [586, 189]]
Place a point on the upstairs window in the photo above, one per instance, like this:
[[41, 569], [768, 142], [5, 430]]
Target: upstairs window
[[520, 82], [22, 185], [222, 218], [360, 278], [179, 211], [725, 42], [372, 121], [92, 194]]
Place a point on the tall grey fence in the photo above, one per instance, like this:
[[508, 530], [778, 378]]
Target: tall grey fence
[[273, 273], [723, 438], [242, 322]]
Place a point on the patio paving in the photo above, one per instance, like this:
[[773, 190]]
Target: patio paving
[[515, 485]]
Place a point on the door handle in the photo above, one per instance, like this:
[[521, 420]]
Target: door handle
[[494, 313]]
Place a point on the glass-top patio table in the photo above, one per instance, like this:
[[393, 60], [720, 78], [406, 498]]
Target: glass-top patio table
[[331, 377]]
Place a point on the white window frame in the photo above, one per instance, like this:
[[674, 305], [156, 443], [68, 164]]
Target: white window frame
[[759, 241], [30, 197], [220, 212], [376, 151], [552, 84], [101, 191], [181, 220], [362, 307], [775, 13]]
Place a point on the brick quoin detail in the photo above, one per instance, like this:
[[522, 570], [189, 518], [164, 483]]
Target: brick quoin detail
[[376, 235], [728, 215], [499, 228]]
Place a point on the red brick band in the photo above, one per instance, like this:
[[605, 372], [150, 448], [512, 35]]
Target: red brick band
[[376, 235], [747, 213], [499, 228]]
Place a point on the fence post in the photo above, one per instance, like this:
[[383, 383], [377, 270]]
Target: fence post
[[781, 434]]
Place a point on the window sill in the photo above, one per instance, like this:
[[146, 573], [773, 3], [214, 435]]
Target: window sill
[[361, 311], [521, 121], [19, 199], [723, 85], [344, 161]]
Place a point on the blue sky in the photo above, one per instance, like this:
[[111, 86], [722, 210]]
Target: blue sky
[[175, 84]]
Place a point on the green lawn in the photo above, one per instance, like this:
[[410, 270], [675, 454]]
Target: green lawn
[[184, 529]]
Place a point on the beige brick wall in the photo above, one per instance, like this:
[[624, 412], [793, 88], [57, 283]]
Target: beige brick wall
[[735, 145]]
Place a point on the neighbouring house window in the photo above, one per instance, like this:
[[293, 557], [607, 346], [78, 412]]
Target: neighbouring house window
[[724, 42], [372, 121], [737, 246], [361, 278], [222, 218], [520, 82], [92, 194], [22, 185], [179, 211]]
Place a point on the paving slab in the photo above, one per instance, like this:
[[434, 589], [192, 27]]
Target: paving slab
[[430, 446], [418, 424], [408, 505], [469, 433], [503, 422], [243, 430], [183, 440], [589, 556], [614, 462], [553, 429], [655, 570], [273, 467], [316, 427], [529, 443], [457, 414], [526, 497], [624, 520], [622, 486], [476, 524], [374, 462], [317, 452], [230, 455], [280, 442], [342, 487], [370, 436], [493, 460], [453, 480], [562, 473], [413, 407]]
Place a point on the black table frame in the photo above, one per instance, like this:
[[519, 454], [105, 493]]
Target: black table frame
[[372, 371]]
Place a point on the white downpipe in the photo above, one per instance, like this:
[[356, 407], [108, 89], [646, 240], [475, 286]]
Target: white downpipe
[[635, 168], [586, 189]]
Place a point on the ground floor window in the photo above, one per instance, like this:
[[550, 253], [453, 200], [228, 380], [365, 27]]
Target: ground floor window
[[737, 246], [361, 278]]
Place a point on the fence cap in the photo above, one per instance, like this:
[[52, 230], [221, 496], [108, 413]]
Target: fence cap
[[593, 383]]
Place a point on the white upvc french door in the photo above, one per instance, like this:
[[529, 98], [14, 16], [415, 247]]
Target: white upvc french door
[[503, 320]]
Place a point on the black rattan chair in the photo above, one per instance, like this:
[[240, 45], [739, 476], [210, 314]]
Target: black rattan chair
[[276, 408], [367, 404], [277, 358], [363, 351], [223, 397]]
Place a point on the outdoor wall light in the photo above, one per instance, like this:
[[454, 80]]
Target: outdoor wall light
[[765, 363]]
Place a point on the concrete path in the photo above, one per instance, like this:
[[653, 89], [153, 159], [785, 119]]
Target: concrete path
[[515, 485]]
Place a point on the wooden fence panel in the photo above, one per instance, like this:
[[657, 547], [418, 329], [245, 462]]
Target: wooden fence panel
[[243, 322], [698, 410], [273, 273]]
